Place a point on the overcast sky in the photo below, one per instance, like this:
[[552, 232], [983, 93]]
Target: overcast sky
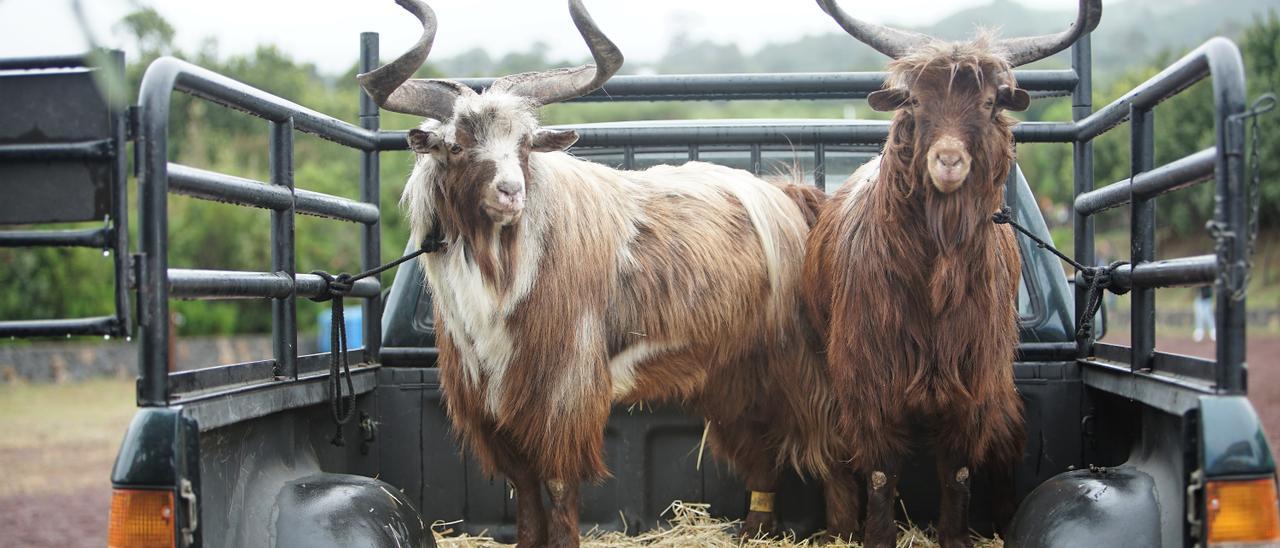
[[326, 32]]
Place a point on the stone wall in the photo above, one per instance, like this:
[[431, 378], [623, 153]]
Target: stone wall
[[58, 361]]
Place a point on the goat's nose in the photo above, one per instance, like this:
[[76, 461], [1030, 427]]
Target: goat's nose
[[950, 157], [509, 187]]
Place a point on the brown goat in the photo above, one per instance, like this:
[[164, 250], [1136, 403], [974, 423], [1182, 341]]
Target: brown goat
[[567, 286], [912, 285]]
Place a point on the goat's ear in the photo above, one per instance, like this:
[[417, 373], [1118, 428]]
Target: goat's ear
[[424, 142], [550, 140], [1011, 98], [886, 100]]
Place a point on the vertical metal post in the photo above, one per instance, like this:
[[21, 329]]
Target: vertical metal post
[[153, 193], [628, 157], [693, 153], [1082, 162], [1142, 234], [755, 159], [284, 311], [370, 193], [820, 166], [120, 206], [1232, 249]]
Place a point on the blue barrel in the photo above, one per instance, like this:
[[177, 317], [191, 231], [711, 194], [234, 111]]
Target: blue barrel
[[355, 328]]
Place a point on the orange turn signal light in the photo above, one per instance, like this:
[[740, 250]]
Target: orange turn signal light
[[1242, 511], [141, 518]]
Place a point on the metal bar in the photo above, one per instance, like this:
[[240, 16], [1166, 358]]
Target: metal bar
[[219, 187], [820, 166], [153, 229], [399, 356], [791, 86], [1218, 58], [1163, 392], [324, 205], [167, 74], [104, 325], [89, 237], [44, 62], [102, 149], [189, 283], [1229, 213], [755, 159], [1172, 176], [1045, 352], [1185, 271], [119, 229], [223, 377], [628, 157], [693, 153], [1142, 238], [370, 193], [1082, 168], [237, 405], [768, 133], [310, 285], [284, 310]]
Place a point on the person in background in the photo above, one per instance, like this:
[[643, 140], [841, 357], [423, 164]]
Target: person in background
[[1204, 314]]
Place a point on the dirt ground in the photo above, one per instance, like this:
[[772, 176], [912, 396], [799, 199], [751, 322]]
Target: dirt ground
[[58, 443]]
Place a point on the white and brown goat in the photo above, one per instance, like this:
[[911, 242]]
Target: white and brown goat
[[567, 287]]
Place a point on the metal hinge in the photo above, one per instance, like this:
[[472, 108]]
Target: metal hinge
[[188, 496], [1194, 523]]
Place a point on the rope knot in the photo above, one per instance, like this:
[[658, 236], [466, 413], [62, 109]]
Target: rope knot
[[1098, 279], [1002, 217]]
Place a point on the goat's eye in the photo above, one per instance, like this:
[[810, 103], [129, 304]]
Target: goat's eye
[[989, 103], [455, 148], [915, 102]]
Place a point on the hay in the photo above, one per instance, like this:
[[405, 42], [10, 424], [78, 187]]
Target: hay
[[691, 524]]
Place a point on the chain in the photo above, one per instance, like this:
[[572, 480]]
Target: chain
[[1253, 196]]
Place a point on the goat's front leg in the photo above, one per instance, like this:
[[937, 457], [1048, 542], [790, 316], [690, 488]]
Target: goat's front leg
[[882, 495], [563, 516], [531, 518], [953, 517], [760, 520], [844, 504]]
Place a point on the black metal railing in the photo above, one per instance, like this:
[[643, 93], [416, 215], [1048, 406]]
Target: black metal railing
[[65, 156], [158, 177], [1218, 59]]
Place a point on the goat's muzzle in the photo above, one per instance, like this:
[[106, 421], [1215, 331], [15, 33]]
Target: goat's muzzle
[[948, 164]]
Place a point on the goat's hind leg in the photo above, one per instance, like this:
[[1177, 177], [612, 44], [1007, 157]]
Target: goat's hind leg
[[744, 444]]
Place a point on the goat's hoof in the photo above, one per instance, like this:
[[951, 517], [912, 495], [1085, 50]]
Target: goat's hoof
[[758, 525]]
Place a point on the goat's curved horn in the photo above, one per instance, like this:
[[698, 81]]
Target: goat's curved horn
[[887, 40], [551, 86], [1034, 48], [390, 86]]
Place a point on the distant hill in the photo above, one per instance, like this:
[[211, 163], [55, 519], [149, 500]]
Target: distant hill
[[1132, 33]]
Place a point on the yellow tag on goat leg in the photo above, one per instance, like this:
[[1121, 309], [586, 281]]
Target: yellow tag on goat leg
[[761, 501]]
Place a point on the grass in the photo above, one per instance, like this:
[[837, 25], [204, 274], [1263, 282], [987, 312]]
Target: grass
[[61, 437]]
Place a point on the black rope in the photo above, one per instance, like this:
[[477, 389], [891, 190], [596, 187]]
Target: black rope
[[342, 406], [1095, 278]]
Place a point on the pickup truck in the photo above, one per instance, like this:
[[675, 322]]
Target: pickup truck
[[1126, 445]]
